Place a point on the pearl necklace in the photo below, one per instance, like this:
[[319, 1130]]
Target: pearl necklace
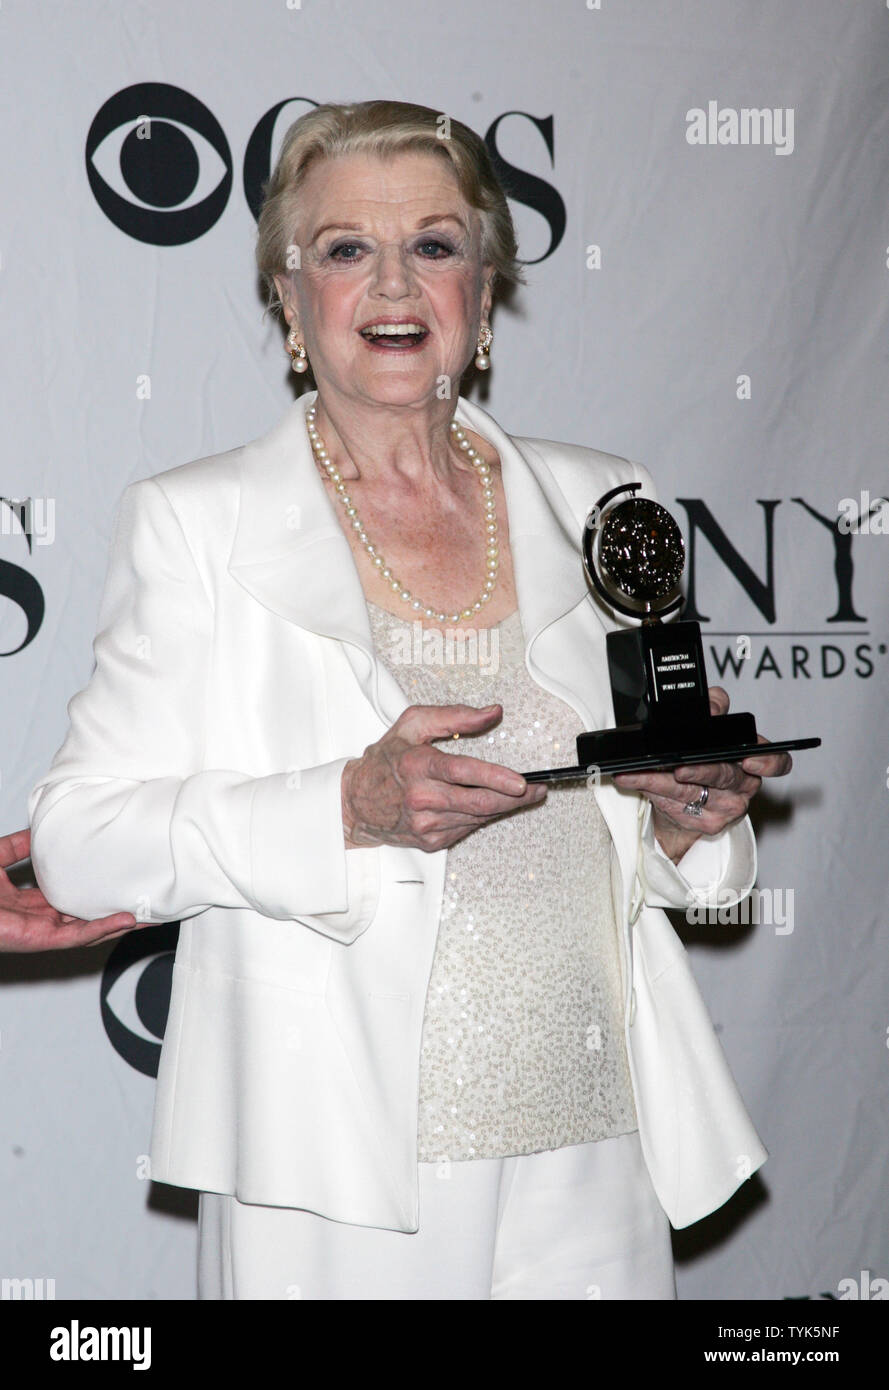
[[492, 549]]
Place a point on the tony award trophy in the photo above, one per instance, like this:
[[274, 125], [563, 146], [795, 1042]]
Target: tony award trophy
[[634, 555]]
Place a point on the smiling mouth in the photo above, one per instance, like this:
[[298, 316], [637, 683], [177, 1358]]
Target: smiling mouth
[[395, 335]]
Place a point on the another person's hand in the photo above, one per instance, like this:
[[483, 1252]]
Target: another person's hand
[[730, 789], [28, 923], [405, 792]]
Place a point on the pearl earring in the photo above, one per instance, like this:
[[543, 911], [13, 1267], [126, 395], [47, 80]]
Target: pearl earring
[[299, 360], [485, 339]]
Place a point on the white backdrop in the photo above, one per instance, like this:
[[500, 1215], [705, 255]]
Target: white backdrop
[[729, 332]]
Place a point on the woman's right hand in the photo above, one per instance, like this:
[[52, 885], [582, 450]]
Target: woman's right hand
[[405, 792]]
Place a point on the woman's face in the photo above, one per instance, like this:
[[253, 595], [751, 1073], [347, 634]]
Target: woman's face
[[387, 242]]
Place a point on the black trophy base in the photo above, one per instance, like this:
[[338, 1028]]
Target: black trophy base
[[720, 738], [643, 740], [662, 705]]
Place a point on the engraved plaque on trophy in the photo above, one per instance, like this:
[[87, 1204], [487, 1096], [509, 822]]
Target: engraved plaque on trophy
[[634, 556]]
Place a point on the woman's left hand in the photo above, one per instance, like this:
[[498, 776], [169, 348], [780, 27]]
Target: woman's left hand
[[730, 789]]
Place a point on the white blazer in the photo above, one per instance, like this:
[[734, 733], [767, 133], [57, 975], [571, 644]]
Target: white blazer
[[200, 780]]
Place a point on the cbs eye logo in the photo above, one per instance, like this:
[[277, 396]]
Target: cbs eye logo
[[135, 994], [160, 167]]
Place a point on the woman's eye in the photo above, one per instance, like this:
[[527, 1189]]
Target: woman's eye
[[433, 249], [345, 251]]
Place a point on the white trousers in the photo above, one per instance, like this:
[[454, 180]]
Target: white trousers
[[581, 1222]]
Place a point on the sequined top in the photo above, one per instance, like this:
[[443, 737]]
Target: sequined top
[[523, 1045]]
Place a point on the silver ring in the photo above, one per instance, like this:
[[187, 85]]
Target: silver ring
[[696, 808]]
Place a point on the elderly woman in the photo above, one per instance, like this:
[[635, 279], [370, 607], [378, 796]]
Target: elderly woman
[[431, 1035]]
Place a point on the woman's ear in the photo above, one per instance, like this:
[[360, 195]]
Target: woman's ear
[[284, 286], [487, 292]]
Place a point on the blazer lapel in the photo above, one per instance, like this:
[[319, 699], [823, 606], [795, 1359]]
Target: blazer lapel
[[564, 630], [290, 553], [564, 633]]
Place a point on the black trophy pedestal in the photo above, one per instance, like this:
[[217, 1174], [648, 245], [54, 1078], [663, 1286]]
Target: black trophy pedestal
[[659, 689]]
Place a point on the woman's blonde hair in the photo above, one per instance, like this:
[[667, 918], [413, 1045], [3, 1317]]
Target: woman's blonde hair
[[382, 128]]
